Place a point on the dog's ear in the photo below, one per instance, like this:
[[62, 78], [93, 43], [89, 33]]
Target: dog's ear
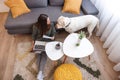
[[61, 17], [60, 21]]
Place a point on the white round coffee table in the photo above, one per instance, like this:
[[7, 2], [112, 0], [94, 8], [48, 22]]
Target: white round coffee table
[[52, 53], [70, 49]]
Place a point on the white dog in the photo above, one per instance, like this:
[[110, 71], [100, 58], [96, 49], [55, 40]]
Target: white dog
[[76, 23]]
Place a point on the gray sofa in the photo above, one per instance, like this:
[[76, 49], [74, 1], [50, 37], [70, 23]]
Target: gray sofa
[[23, 24]]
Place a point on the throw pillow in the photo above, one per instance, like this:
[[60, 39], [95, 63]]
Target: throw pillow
[[72, 6], [17, 7]]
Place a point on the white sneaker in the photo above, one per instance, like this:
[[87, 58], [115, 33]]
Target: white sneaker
[[40, 76]]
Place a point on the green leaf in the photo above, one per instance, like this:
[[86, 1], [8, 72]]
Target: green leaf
[[77, 44], [82, 35]]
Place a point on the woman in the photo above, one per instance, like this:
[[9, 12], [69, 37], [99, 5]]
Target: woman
[[43, 30]]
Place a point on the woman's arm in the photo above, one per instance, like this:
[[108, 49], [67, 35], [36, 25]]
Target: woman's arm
[[53, 31], [34, 32]]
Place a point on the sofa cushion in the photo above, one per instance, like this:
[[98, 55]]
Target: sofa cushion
[[20, 31], [36, 3], [26, 21], [89, 8], [17, 7], [56, 2]]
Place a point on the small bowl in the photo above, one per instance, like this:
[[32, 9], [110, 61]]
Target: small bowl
[[57, 46]]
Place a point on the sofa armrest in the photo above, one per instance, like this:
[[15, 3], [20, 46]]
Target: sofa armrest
[[88, 8]]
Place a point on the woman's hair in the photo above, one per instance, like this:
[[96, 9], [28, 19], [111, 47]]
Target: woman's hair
[[42, 24]]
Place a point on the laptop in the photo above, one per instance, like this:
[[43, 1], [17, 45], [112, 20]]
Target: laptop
[[39, 46]]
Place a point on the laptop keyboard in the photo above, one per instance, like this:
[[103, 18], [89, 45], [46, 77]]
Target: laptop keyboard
[[39, 47]]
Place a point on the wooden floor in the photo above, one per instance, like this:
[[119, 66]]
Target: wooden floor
[[8, 51]]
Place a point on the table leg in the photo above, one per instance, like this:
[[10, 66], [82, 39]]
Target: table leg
[[55, 63], [89, 57], [65, 57]]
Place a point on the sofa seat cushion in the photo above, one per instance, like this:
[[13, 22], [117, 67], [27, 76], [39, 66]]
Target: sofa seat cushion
[[36, 3], [55, 12], [20, 31], [27, 20]]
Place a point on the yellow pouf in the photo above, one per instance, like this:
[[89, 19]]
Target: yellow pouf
[[67, 72]]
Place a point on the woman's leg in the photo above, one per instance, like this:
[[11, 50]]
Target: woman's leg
[[42, 58]]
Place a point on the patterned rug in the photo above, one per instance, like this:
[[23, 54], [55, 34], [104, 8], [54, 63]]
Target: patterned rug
[[25, 66]]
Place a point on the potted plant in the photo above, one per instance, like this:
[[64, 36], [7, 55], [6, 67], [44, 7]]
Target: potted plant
[[81, 36]]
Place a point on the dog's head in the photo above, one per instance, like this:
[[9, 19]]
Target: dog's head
[[61, 22]]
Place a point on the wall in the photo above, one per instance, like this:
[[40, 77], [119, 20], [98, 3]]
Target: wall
[[3, 7]]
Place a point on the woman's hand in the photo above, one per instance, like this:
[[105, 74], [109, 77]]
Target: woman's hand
[[33, 42]]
